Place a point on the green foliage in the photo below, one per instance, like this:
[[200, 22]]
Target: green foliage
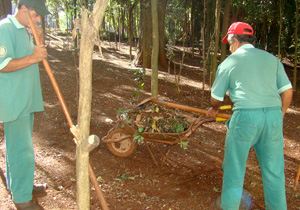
[[137, 136], [138, 78], [183, 144]]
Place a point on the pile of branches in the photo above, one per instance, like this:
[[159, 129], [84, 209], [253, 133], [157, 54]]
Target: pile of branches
[[155, 118]]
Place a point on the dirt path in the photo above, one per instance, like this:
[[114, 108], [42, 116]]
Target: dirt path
[[190, 179]]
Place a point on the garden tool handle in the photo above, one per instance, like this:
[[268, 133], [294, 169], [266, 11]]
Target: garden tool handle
[[220, 119], [187, 108], [225, 107], [50, 74]]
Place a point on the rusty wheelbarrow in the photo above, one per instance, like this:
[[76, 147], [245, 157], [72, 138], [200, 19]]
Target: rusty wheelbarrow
[[120, 139]]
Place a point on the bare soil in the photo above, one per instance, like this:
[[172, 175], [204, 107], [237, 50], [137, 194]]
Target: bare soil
[[190, 178]]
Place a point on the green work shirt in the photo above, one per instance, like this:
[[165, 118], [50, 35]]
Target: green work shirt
[[20, 91], [254, 79]]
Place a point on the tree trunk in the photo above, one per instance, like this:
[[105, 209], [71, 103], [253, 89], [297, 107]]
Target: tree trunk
[[203, 53], [217, 39], [280, 29], [162, 5], [147, 35], [155, 49], [145, 39], [296, 47], [224, 29], [130, 29], [5, 8], [115, 28], [238, 11], [264, 40], [192, 26], [90, 30]]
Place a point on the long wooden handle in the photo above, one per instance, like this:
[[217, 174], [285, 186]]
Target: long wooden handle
[[188, 108], [50, 74], [65, 109], [297, 179]]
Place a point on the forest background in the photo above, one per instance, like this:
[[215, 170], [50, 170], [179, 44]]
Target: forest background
[[199, 25]]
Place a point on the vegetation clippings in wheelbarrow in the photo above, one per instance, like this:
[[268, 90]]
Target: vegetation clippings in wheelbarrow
[[156, 118]]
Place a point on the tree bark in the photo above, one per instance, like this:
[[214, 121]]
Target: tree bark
[[224, 29], [90, 31], [145, 37], [280, 29], [162, 5], [296, 48], [203, 53], [130, 28], [217, 39], [155, 49], [5, 8]]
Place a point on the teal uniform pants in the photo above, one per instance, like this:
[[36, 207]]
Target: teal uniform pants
[[262, 129], [20, 157]]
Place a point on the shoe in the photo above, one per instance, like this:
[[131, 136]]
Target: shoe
[[38, 188], [218, 203], [29, 205]]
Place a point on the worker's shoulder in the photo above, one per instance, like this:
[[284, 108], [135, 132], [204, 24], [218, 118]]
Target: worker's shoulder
[[262, 53], [6, 24]]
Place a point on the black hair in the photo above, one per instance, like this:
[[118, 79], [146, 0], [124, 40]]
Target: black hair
[[242, 38], [20, 5]]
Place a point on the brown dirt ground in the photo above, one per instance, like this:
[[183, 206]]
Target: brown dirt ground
[[190, 179]]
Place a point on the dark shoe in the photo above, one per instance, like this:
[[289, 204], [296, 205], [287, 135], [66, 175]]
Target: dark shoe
[[218, 203], [39, 188], [29, 205]]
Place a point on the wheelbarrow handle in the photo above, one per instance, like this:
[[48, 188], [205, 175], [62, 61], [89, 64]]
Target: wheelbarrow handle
[[187, 108]]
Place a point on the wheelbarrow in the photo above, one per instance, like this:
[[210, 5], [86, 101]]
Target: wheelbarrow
[[120, 139]]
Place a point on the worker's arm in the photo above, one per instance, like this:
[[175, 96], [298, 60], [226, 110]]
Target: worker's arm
[[286, 99], [213, 111], [39, 53]]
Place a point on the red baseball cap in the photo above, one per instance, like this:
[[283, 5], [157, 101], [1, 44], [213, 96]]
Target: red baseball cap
[[238, 28]]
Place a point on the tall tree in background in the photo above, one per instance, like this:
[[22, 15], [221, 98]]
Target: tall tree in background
[[203, 53], [130, 28], [5, 8], [224, 29], [145, 37], [217, 39], [296, 47], [155, 49], [280, 28]]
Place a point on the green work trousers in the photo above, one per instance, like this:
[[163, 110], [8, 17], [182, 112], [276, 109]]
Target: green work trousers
[[19, 157], [262, 129]]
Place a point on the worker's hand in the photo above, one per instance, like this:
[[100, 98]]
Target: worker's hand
[[212, 112], [39, 32], [39, 53]]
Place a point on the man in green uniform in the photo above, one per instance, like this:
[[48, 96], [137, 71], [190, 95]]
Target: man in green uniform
[[20, 96], [261, 92]]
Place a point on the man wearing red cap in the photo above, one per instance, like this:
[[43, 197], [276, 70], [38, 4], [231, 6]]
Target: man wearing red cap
[[20, 97], [261, 92]]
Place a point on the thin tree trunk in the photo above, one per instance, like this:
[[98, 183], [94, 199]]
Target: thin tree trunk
[[296, 47], [203, 54], [115, 27], [280, 29], [90, 31], [217, 39], [130, 28], [5, 8], [155, 49], [192, 26], [224, 29]]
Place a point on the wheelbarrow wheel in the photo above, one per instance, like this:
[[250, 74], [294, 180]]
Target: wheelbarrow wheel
[[123, 148]]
